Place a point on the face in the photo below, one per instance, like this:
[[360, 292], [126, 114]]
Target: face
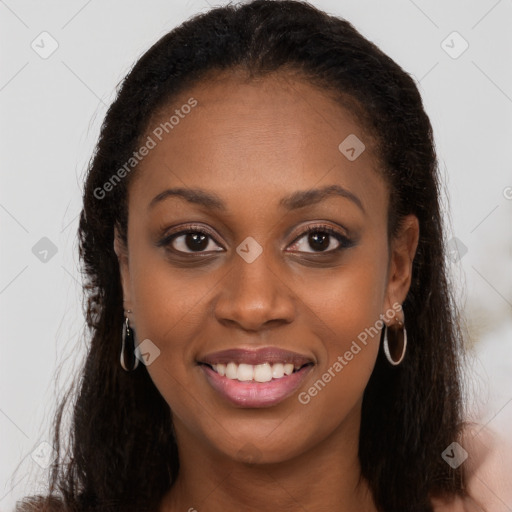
[[240, 270]]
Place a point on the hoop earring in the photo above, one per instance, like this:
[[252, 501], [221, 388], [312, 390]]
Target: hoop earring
[[128, 341], [398, 344]]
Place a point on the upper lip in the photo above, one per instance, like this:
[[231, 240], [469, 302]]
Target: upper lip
[[256, 356]]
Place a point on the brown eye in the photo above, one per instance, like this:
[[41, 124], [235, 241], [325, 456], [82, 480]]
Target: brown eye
[[191, 241], [321, 239]]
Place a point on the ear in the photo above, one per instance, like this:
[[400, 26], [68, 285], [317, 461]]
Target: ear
[[121, 251], [402, 252]]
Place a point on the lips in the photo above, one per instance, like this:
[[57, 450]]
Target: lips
[[263, 355], [255, 394]]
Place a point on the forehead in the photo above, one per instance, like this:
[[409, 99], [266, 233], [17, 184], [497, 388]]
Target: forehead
[[268, 135]]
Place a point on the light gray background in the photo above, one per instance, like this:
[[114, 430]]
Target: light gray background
[[51, 111]]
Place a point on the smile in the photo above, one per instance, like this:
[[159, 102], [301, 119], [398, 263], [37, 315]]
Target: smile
[[253, 393], [258, 373]]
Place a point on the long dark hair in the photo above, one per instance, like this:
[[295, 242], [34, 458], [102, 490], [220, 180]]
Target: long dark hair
[[122, 451]]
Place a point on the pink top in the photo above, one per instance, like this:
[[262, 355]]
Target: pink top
[[489, 472]]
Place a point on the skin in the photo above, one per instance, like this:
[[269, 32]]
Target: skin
[[252, 143]]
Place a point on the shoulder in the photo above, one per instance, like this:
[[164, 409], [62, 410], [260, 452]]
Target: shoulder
[[40, 504], [489, 469], [488, 472]]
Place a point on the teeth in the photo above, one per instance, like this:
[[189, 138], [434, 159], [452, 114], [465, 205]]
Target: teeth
[[288, 369], [231, 370], [278, 370], [260, 372], [245, 372]]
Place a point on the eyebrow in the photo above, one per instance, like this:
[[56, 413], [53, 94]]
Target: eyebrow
[[303, 198], [192, 195], [297, 200]]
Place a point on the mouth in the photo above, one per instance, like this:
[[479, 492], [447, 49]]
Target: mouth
[[255, 378], [252, 393], [242, 358], [264, 372]]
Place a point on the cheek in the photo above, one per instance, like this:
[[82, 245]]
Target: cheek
[[347, 309], [170, 311], [346, 300], [170, 304]]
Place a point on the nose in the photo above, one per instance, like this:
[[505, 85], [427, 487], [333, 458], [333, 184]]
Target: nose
[[254, 295]]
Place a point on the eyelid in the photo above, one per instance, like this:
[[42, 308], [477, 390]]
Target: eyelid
[[183, 230], [343, 240], [319, 225]]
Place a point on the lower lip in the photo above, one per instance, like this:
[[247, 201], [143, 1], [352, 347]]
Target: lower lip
[[256, 394]]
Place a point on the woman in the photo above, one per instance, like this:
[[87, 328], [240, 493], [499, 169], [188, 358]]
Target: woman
[[271, 323]]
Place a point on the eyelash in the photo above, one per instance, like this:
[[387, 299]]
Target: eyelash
[[344, 241]]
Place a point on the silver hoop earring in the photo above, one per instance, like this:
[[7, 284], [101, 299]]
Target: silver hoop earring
[[127, 342], [398, 335]]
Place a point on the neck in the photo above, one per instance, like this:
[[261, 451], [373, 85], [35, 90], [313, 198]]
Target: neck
[[325, 477]]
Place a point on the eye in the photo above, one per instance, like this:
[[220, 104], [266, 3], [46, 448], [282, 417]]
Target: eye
[[197, 240], [193, 239], [322, 239]]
